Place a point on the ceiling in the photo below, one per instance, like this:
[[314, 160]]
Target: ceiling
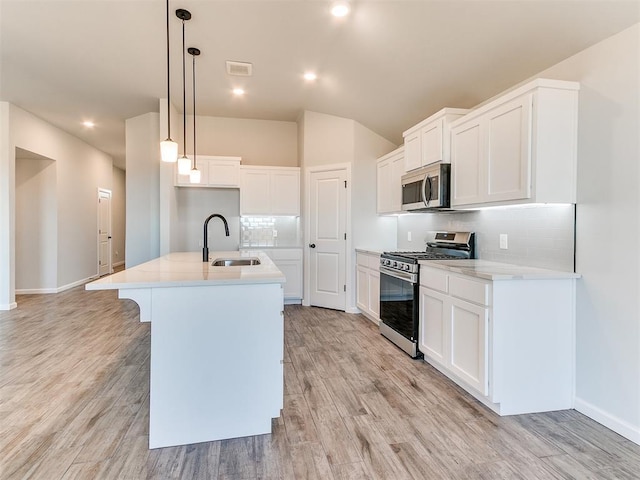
[[388, 65]]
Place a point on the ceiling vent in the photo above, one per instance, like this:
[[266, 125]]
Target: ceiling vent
[[242, 69]]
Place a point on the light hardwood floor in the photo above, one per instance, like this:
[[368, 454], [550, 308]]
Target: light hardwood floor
[[74, 385]]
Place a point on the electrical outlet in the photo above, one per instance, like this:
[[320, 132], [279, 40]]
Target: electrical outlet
[[408, 236], [275, 233], [504, 241]]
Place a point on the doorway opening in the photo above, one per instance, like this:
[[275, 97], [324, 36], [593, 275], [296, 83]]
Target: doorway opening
[[36, 223]]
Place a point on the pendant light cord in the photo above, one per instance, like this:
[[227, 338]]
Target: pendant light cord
[[194, 113], [168, 81], [184, 97]]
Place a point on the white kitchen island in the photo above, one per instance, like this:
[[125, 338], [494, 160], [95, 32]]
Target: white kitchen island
[[217, 338]]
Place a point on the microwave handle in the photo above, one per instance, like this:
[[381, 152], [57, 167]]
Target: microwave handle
[[423, 192], [426, 200]]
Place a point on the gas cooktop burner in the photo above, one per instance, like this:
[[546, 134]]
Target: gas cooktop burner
[[439, 246]]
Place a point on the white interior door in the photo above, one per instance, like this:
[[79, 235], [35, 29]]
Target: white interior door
[[327, 239], [104, 232]]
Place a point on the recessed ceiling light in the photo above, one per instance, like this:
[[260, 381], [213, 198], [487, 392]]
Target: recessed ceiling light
[[340, 9], [310, 76], [89, 124], [238, 91]]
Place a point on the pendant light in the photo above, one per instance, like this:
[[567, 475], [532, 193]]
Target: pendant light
[[168, 148], [194, 176], [184, 164]]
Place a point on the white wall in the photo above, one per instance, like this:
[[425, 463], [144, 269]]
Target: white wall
[[369, 229], [327, 139], [330, 140], [194, 206], [81, 170], [258, 142], [118, 216], [7, 210], [608, 296], [36, 233], [540, 236], [143, 189]]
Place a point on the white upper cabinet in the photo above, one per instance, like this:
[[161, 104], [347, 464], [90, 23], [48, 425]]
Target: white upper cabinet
[[269, 190], [215, 171], [429, 141], [518, 148], [390, 168]]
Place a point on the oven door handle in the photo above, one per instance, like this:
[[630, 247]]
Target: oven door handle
[[407, 277]]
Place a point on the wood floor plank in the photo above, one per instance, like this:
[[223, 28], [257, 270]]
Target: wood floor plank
[[74, 405], [336, 440], [351, 471], [200, 461], [298, 421], [310, 462], [237, 459]]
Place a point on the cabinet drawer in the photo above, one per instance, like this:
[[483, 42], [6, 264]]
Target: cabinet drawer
[[373, 262], [362, 260], [434, 279], [469, 290]]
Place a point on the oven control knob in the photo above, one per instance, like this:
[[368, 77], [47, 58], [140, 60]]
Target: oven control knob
[[405, 267], [395, 264]]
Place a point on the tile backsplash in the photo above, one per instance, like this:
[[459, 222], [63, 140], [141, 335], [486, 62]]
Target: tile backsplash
[[270, 232], [538, 236]]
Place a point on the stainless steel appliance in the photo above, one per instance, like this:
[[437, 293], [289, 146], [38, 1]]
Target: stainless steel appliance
[[426, 188], [400, 285]]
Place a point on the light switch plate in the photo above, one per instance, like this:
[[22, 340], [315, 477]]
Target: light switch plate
[[408, 236], [504, 242]]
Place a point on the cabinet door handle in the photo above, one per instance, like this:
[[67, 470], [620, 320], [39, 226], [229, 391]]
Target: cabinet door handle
[[312, 245]]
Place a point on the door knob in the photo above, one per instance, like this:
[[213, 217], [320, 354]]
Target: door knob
[[312, 245]]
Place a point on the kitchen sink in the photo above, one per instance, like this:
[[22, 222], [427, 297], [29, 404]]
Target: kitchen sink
[[235, 262]]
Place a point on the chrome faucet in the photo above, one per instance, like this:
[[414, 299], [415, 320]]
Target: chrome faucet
[[205, 249]]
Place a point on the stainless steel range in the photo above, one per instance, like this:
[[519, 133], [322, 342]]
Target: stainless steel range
[[400, 285]]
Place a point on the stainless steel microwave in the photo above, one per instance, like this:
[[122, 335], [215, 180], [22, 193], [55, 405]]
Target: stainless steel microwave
[[426, 188]]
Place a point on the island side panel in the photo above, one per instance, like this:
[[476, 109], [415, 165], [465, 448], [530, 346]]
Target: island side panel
[[216, 362], [142, 296]]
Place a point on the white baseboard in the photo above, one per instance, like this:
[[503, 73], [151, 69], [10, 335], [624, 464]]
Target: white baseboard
[[627, 430], [39, 291], [293, 301], [117, 264], [8, 306], [353, 310], [35, 291]]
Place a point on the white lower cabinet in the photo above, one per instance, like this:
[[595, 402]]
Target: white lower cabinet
[[368, 285], [434, 314], [506, 342], [468, 345], [289, 262]]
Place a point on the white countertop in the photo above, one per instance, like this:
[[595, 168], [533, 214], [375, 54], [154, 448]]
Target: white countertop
[[497, 271], [188, 269]]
